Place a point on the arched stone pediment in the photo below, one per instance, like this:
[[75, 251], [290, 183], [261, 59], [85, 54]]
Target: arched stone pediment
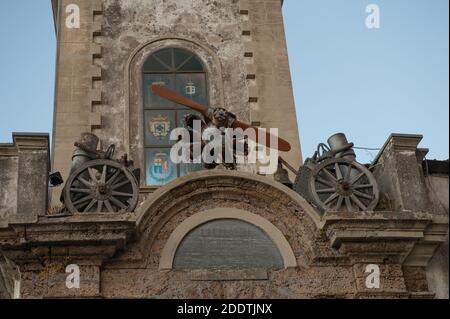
[[167, 216]]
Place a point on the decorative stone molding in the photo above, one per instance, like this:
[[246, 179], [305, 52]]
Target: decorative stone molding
[[249, 58], [8, 150], [31, 141], [25, 142], [434, 235], [95, 95], [91, 236], [330, 250], [400, 142], [400, 237], [163, 211], [212, 178], [375, 237], [43, 249]]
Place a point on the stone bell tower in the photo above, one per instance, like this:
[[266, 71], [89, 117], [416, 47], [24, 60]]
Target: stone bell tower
[[212, 234], [229, 54]]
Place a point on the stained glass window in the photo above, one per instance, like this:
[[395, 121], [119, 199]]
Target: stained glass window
[[181, 71]]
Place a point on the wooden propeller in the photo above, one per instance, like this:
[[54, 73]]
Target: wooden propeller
[[173, 96]]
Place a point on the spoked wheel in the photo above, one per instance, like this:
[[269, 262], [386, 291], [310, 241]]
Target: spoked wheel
[[101, 186], [343, 185]]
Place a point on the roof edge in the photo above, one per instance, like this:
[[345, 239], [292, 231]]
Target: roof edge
[[54, 4]]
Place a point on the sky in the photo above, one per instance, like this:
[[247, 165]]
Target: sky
[[367, 83]]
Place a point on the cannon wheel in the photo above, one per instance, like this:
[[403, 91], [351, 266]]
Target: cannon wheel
[[101, 186], [343, 185]]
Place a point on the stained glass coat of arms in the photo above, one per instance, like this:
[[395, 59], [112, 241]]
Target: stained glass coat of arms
[[179, 70]]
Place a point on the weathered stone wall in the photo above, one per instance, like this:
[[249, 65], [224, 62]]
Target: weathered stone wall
[[405, 187], [321, 271], [24, 168], [8, 186], [9, 277], [130, 26], [122, 255], [256, 88], [438, 188], [437, 271], [141, 263], [241, 42]]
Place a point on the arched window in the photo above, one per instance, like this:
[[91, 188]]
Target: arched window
[[182, 71]]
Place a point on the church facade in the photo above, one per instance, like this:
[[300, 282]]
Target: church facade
[[197, 233]]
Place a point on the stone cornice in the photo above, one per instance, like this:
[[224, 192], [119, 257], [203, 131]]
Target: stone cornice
[[82, 236], [398, 236], [400, 142], [31, 141], [25, 142], [8, 150]]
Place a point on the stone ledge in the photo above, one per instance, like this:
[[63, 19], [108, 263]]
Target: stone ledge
[[401, 142], [382, 295], [8, 150], [88, 235], [408, 237], [434, 235], [229, 275], [29, 141]]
